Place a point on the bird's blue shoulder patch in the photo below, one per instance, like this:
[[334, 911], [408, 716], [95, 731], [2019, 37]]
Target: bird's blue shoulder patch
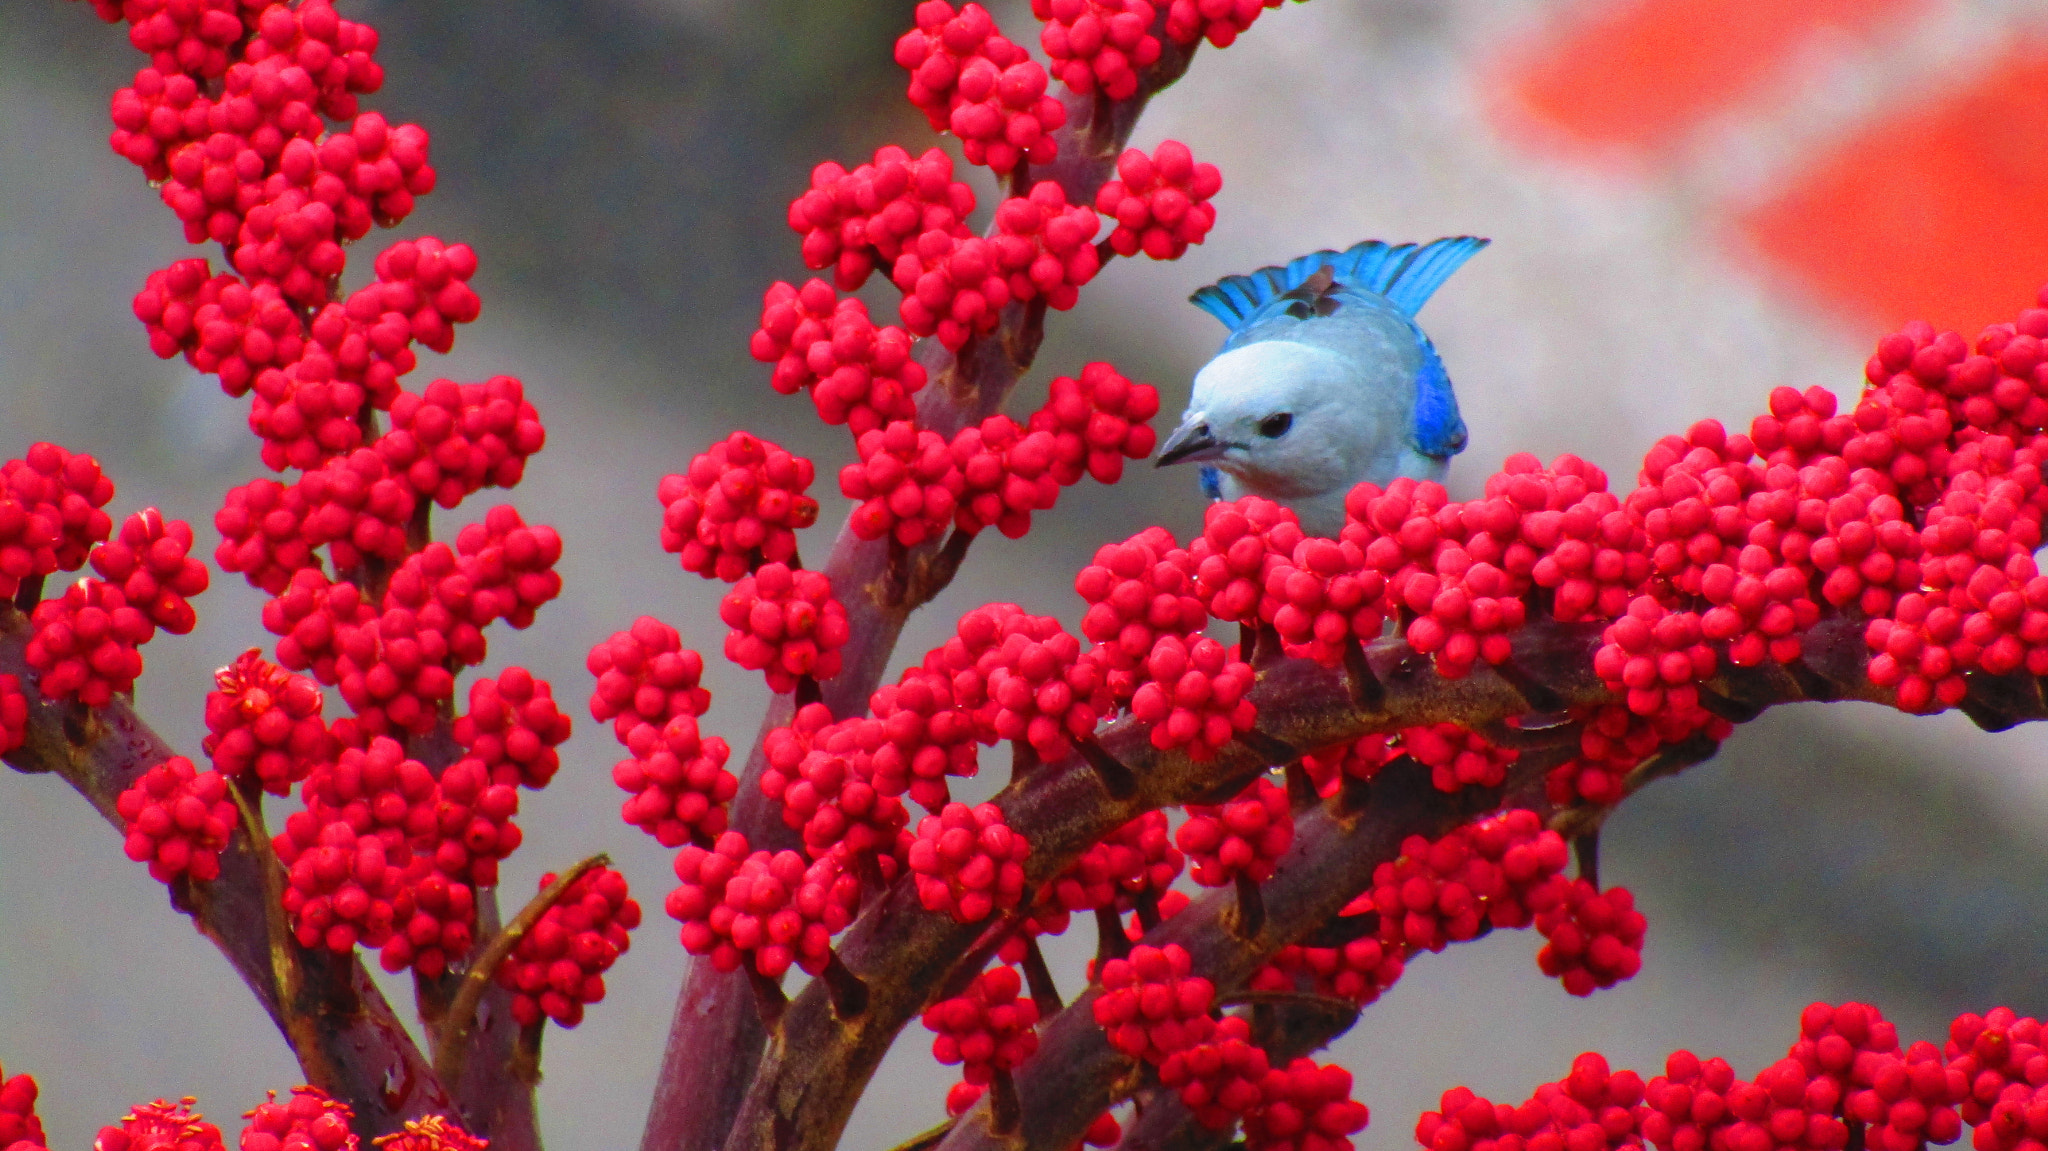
[[1439, 431], [1406, 274], [1212, 483]]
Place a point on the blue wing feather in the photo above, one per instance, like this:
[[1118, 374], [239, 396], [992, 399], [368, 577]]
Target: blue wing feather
[[1406, 274], [1439, 431], [1212, 482]]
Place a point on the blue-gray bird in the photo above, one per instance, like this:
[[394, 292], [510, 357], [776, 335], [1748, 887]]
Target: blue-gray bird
[[1325, 380]]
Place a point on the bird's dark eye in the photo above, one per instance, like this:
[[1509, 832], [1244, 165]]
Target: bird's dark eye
[[1276, 425]]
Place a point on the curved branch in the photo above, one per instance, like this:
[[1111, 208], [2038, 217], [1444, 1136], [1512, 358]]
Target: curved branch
[[348, 1041]]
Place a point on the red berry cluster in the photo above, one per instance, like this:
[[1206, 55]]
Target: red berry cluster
[[309, 617], [1323, 597], [1098, 45], [513, 727], [1457, 758], [50, 513], [1305, 1106], [1193, 696], [560, 962], [1613, 740], [1246, 836], [83, 643], [178, 820], [645, 677], [473, 823], [859, 375], [261, 534], [311, 1120], [1356, 971], [822, 774], [1502, 871], [853, 222], [1137, 591], [786, 623], [987, 1029], [170, 1126], [148, 561], [1046, 245], [1160, 202], [1006, 473], [1137, 860], [1040, 691], [1097, 422], [264, 719], [510, 567], [908, 484], [1220, 1078], [1596, 937], [967, 78], [356, 507], [678, 784], [457, 439], [1592, 1109], [740, 504], [954, 287], [1241, 547], [1152, 1005], [968, 862], [1361, 759], [1657, 656], [772, 910], [2000, 1057], [927, 738]]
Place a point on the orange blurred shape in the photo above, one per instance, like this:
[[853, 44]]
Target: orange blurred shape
[[1937, 212], [1633, 78]]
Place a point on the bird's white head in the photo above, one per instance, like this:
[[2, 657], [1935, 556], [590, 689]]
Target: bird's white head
[[1287, 420]]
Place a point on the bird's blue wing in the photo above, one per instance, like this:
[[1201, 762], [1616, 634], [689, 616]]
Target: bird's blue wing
[[1212, 482], [1439, 431], [1406, 274]]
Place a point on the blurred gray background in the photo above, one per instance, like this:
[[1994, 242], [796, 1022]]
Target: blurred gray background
[[622, 168]]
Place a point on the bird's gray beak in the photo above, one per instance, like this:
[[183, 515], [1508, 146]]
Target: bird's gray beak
[[1190, 441]]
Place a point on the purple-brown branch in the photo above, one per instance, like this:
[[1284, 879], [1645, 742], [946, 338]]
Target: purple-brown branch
[[695, 1099], [348, 1041]]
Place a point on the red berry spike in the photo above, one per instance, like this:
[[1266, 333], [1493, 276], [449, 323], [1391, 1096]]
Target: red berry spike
[[178, 820], [1219, 1078], [678, 783], [1305, 1106], [55, 517], [1242, 544], [968, 862], [854, 222], [161, 112], [1220, 21], [1457, 758], [263, 536], [18, 1122], [1593, 1108], [1657, 656], [1614, 740], [1160, 202], [310, 1120], [513, 728], [1137, 592], [954, 287], [310, 617], [1040, 692], [907, 482], [1098, 421], [457, 439], [822, 774], [427, 282], [1498, 872], [1596, 938], [558, 967], [1046, 247], [83, 643], [1361, 759], [357, 509], [434, 1133], [1357, 971], [1244, 837], [987, 1029], [1993, 1052], [265, 720], [770, 910], [1152, 1005], [1006, 474], [967, 78], [858, 375], [510, 567], [738, 506], [337, 55], [1193, 696], [393, 669], [645, 676], [472, 828], [928, 737], [171, 1126], [1098, 45], [785, 623], [187, 38], [148, 561]]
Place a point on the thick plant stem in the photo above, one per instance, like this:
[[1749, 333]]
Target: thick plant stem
[[695, 1099], [348, 1041]]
